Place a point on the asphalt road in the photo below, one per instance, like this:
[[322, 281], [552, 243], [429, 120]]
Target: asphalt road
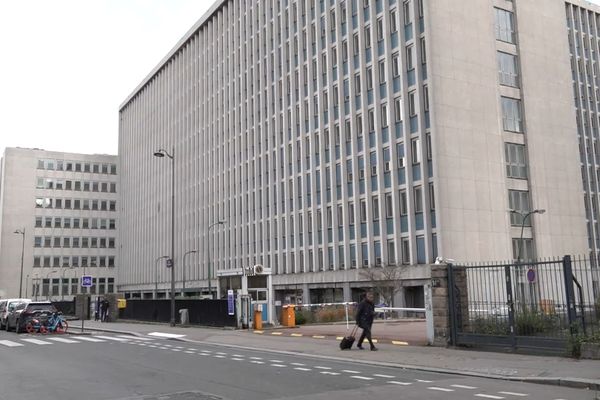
[[111, 367]]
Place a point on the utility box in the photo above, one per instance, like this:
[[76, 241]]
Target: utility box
[[288, 315], [258, 317]]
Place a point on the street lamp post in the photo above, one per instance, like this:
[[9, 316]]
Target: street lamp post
[[161, 153], [22, 233], [221, 222], [26, 284], [184, 268], [156, 274], [49, 284], [36, 287], [524, 217], [62, 284]]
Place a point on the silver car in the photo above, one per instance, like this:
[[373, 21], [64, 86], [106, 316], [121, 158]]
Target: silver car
[[5, 305]]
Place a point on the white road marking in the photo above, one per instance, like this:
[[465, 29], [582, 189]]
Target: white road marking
[[439, 389], [364, 378], [330, 373], [464, 387], [63, 340], [514, 394], [302, 369], [489, 396], [35, 341], [319, 367], [165, 335], [236, 358], [278, 365], [190, 349], [383, 376], [203, 354], [423, 381], [8, 343], [256, 358], [349, 371], [189, 352], [400, 383], [134, 337], [116, 339], [276, 361], [299, 364], [218, 356], [164, 348], [175, 350], [90, 339], [257, 362]]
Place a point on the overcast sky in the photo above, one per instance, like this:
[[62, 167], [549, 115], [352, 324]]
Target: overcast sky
[[67, 65]]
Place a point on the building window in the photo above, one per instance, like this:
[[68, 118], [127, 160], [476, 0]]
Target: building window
[[508, 69], [512, 119], [525, 247], [519, 201], [418, 197], [505, 27], [405, 251], [516, 165]]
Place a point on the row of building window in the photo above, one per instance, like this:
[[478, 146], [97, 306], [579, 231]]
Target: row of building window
[[83, 242], [85, 186], [75, 223], [73, 261], [76, 204], [70, 286], [77, 166]]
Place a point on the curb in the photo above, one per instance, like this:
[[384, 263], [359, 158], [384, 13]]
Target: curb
[[396, 342], [576, 383]]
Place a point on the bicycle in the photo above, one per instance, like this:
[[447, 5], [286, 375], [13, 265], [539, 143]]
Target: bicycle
[[54, 324]]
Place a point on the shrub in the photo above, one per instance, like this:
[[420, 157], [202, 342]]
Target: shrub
[[489, 326], [330, 315], [529, 322], [303, 317]]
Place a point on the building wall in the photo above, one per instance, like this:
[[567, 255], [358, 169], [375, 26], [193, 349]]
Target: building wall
[[48, 203], [332, 137]]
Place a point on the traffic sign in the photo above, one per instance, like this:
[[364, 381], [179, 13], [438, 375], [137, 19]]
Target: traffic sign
[[531, 275], [86, 281], [230, 302], [169, 262]]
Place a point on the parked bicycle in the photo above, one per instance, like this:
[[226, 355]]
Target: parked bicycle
[[54, 324]]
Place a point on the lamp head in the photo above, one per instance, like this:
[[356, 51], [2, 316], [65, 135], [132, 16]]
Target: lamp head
[[159, 154], [540, 211]]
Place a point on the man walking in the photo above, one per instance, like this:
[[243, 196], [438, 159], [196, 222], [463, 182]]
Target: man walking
[[364, 319]]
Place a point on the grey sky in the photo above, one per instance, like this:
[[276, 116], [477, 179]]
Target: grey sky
[[67, 65]]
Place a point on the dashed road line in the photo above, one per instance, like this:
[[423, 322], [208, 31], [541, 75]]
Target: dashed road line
[[63, 340], [318, 337], [296, 335], [302, 369], [90, 339], [218, 356], [257, 362], [514, 394], [399, 342], [274, 361], [256, 358], [439, 389], [279, 365], [464, 387], [116, 339], [298, 364], [233, 358], [351, 371], [36, 341], [8, 343], [364, 378], [189, 352], [330, 373], [259, 332], [489, 396], [423, 381], [277, 333], [400, 383], [134, 337], [320, 367], [384, 376]]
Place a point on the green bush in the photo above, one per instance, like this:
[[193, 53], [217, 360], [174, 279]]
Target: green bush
[[304, 317], [489, 326], [330, 315], [530, 322]]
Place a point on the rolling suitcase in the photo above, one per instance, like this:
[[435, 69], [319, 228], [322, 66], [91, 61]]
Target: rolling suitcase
[[348, 341]]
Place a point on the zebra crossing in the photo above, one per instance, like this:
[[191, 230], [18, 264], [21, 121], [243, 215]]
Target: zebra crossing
[[25, 340]]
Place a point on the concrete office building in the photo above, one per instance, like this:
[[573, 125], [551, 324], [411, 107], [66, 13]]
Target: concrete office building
[[335, 136], [58, 210]]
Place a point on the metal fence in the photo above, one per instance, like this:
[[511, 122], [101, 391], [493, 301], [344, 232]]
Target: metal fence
[[201, 312], [536, 305]]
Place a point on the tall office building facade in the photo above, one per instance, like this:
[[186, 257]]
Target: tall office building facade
[[337, 136], [59, 217]]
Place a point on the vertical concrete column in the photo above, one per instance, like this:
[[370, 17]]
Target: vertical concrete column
[[347, 292], [439, 304], [305, 293], [271, 300]]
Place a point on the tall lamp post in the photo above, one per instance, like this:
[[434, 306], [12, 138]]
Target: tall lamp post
[[524, 217], [184, 268], [161, 153], [49, 284], [156, 274], [22, 233], [221, 222]]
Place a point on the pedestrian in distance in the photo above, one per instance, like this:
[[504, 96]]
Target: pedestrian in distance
[[364, 319], [104, 310]]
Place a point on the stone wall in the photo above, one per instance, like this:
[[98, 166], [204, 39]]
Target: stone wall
[[441, 304]]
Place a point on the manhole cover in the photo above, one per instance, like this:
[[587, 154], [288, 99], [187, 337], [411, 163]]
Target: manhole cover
[[194, 395]]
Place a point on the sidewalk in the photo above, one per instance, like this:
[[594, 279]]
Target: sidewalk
[[534, 369]]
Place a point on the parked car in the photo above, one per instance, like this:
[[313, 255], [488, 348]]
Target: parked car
[[4, 306], [24, 311]]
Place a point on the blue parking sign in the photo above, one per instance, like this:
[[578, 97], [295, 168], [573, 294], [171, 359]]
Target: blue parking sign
[[86, 281]]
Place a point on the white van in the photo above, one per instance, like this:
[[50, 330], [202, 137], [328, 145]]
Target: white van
[[4, 305]]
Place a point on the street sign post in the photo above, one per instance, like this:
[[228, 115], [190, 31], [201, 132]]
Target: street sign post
[[86, 281], [230, 302]]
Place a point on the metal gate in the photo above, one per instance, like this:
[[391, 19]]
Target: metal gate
[[528, 305]]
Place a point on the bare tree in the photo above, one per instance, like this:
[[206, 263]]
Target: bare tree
[[385, 281]]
